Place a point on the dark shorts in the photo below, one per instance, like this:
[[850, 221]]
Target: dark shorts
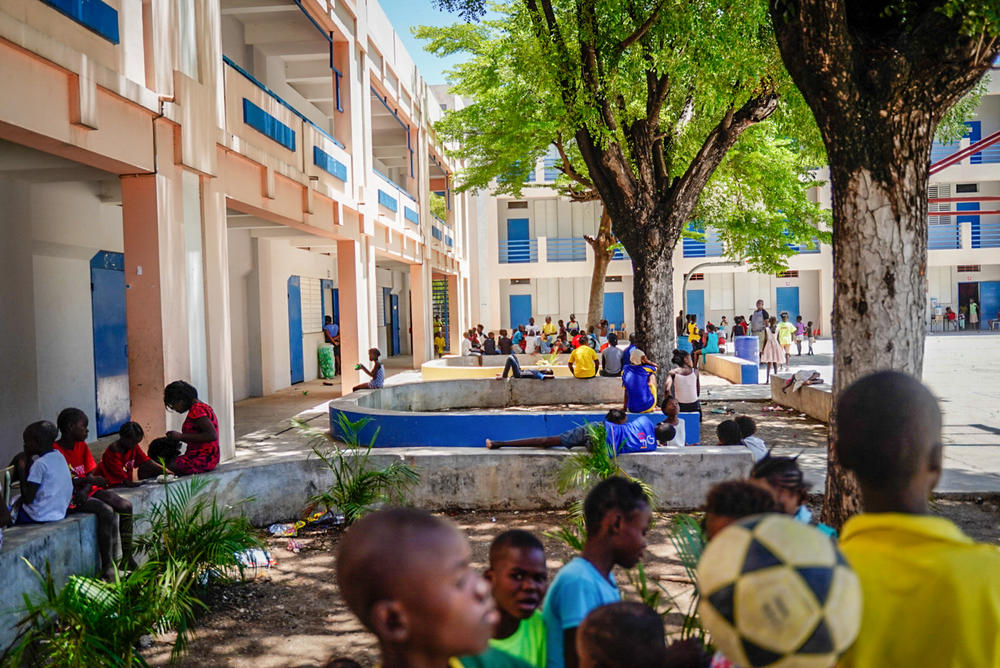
[[23, 518], [696, 345], [577, 437], [607, 374], [690, 408]]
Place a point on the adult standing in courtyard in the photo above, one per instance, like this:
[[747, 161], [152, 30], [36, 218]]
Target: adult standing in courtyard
[[973, 314], [331, 331], [758, 323]]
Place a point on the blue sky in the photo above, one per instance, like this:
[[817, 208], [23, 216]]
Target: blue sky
[[407, 13]]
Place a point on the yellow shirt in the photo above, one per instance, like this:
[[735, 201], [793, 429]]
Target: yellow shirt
[[931, 594], [583, 359], [548, 329]]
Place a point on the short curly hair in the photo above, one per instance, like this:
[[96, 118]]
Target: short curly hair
[[736, 499], [614, 493]]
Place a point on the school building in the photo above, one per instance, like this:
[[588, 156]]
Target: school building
[[536, 262], [190, 186]]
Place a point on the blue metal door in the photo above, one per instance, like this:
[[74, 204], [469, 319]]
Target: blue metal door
[[295, 330], [696, 305], [788, 300], [395, 324], [518, 241], [614, 309], [989, 302], [107, 289], [974, 134], [520, 310]]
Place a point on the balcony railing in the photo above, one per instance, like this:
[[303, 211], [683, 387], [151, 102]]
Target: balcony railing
[[711, 246], [518, 251], [567, 249], [985, 235], [943, 236]]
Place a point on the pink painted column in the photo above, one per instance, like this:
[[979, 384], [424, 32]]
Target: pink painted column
[[420, 322], [353, 313], [454, 315]]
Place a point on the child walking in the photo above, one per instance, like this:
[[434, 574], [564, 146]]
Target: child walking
[[89, 495], [377, 372], [200, 430]]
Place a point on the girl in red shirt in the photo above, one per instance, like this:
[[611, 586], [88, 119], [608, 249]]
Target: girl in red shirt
[[89, 495], [200, 429]]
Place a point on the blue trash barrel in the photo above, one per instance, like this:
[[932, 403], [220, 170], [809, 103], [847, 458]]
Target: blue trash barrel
[[684, 344], [747, 348]]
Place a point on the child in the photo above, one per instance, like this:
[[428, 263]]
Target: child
[[88, 495], [583, 361], [577, 437], [611, 357], [812, 335], [406, 575], [684, 384], [377, 372], [800, 331], [124, 457], [771, 354], [930, 593], [747, 430], [46, 483], [731, 501], [439, 343], [200, 429], [639, 381], [519, 579], [617, 516], [671, 409], [786, 481], [622, 635], [623, 437], [164, 452], [786, 334]]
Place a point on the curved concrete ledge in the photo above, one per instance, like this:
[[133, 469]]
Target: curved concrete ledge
[[816, 401], [467, 367]]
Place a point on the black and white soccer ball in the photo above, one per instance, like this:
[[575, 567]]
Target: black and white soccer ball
[[778, 593]]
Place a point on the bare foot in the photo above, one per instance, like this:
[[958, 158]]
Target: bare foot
[[490, 445]]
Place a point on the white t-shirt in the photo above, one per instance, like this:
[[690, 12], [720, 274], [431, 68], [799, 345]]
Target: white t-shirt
[[466, 347], [55, 488], [678, 439], [530, 344], [757, 447]]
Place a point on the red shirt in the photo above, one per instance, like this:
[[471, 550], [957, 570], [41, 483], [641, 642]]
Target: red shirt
[[117, 467], [80, 461]]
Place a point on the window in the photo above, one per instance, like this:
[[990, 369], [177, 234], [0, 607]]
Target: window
[[966, 187], [520, 281], [612, 279], [517, 205], [696, 277], [968, 268], [787, 274]]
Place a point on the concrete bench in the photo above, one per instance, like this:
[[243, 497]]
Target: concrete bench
[[816, 401], [734, 369]]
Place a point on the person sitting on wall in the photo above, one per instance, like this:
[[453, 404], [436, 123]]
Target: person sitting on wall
[[583, 362], [490, 344], [612, 357], [471, 348], [548, 329], [377, 372], [639, 381], [504, 344]]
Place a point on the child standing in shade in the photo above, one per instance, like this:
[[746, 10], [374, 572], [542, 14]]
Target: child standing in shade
[[200, 429], [377, 372], [811, 335]]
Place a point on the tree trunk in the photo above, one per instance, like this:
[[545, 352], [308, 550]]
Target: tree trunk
[[602, 258], [653, 301]]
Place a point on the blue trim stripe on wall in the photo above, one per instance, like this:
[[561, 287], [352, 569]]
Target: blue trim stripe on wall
[[100, 17], [268, 125], [411, 215], [328, 163], [386, 200]]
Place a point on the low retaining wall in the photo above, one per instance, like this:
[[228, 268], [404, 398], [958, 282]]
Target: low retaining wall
[[467, 367], [734, 369], [816, 401]]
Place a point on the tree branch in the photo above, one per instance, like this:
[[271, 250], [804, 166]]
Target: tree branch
[[567, 165], [641, 31]]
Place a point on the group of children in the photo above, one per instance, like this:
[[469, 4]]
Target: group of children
[[930, 593], [58, 474]]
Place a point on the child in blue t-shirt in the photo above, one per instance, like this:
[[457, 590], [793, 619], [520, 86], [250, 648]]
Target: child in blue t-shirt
[[616, 515], [623, 437], [639, 381]]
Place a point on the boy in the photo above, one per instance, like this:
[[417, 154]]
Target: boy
[[612, 358], [671, 409], [930, 592], [583, 362], [331, 332], [504, 344], [47, 487], [624, 437], [731, 501], [616, 516], [747, 430], [787, 484], [407, 577], [639, 381], [622, 635], [729, 433], [519, 579]]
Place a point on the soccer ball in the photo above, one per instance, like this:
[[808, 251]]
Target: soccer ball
[[777, 592]]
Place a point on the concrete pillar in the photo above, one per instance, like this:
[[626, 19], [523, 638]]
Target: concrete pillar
[[353, 292], [421, 305], [454, 315], [273, 323], [215, 249]]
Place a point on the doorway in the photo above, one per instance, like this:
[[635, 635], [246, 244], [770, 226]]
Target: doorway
[[107, 289]]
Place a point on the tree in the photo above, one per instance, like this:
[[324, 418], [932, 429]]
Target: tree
[[651, 96], [879, 76]]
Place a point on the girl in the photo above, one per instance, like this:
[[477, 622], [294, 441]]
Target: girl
[[88, 493], [772, 352], [811, 333], [124, 456], [200, 429], [800, 332], [684, 384], [377, 372], [786, 335]]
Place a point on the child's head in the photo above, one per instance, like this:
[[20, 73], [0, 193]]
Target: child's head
[[38, 437], [785, 479], [503, 332], [733, 500], [616, 514], [165, 450], [373, 354], [681, 358], [517, 573], [72, 424], [798, 318], [612, 339], [635, 357], [490, 335], [747, 425], [784, 316], [179, 396], [729, 433], [772, 321], [327, 320], [889, 435], [616, 416], [671, 408], [131, 434], [665, 432], [407, 577], [809, 325], [621, 635]]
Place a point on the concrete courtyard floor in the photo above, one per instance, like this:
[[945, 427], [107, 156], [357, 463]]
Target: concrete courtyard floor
[[962, 369]]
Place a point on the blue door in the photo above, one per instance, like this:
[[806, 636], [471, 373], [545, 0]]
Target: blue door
[[295, 329], [989, 302], [518, 244], [394, 312], [696, 305], [520, 310], [614, 309], [788, 300], [974, 133], [107, 289]]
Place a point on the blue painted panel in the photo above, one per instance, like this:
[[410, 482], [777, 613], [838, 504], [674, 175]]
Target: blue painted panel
[[692, 427], [411, 215], [394, 306], [518, 241], [107, 284], [614, 308], [696, 305], [268, 125], [788, 300], [336, 305], [448, 241], [328, 163], [388, 201], [520, 310], [94, 15], [295, 329], [974, 133], [436, 233], [989, 302]]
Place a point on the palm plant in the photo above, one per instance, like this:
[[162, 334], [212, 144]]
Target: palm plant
[[357, 486], [598, 462]]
